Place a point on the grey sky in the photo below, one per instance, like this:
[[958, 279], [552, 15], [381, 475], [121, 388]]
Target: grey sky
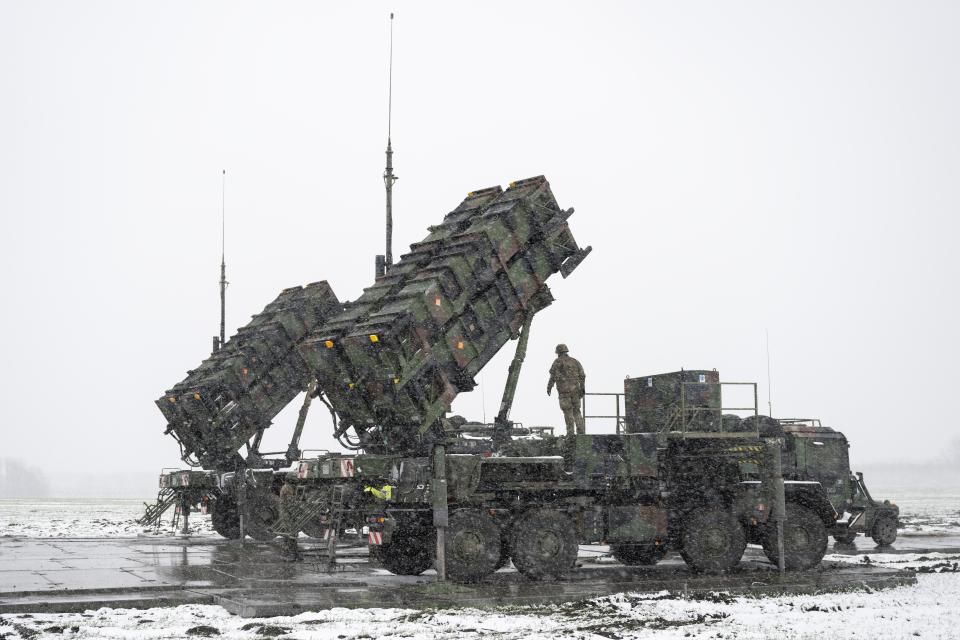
[[737, 167]]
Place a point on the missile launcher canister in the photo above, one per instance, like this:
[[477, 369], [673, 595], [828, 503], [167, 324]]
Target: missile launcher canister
[[392, 362], [238, 390]]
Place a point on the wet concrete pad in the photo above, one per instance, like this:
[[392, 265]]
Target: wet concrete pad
[[250, 580]]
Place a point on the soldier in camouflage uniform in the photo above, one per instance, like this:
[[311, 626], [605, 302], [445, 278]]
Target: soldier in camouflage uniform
[[288, 542], [567, 374]]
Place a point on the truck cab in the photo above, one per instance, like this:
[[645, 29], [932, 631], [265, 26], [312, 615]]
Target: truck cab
[[812, 452]]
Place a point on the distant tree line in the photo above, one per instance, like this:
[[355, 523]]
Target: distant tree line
[[19, 480]]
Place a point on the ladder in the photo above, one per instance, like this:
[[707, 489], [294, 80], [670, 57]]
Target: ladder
[[335, 521], [153, 512], [299, 513]]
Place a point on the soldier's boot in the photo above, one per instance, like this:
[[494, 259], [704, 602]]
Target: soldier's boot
[[569, 445], [570, 418], [288, 549], [578, 419]]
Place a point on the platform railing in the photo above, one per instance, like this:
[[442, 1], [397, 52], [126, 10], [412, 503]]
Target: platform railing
[[618, 415], [691, 416]]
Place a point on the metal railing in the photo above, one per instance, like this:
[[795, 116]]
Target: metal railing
[[684, 411], [684, 417], [618, 415]]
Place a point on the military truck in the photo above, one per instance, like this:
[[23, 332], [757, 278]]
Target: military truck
[[810, 452], [388, 367], [684, 483], [814, 452]]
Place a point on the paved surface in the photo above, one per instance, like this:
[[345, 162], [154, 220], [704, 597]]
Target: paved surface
[[58, 575]]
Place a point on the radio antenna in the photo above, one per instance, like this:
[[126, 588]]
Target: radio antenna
[[769, 391], [223, 262], [388, 177]]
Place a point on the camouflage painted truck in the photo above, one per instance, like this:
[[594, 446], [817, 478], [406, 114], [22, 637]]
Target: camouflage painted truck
[[680, 481], [814, 452], [391, 373], [389, 365]]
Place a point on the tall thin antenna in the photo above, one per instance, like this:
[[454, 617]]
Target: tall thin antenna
[[388, 177], [769, 390], [223, 258], [390, 83]]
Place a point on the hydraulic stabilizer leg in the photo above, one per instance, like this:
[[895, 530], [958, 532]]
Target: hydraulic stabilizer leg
[[772, 479], [440, 510], [185, 514], [240, 485]]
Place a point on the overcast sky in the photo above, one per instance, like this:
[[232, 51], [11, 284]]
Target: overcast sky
[[738, 168]]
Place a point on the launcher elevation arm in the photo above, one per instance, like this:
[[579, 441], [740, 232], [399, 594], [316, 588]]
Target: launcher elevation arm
[[501, 423]]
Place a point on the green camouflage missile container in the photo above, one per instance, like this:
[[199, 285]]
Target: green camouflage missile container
[[239, 389], [392, 362]]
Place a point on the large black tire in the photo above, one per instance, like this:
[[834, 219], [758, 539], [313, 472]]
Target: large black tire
[[471, 546], [712, 541], [638, 554], [263, 512], [405, 555], [847, 537], [884, 531], [804, 539], [225, 519], [543, 544]]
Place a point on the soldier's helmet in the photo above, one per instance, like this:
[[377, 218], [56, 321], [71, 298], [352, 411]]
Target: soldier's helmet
[[562, 348]]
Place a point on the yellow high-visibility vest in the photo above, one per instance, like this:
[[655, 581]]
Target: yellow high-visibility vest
[[384, 493]]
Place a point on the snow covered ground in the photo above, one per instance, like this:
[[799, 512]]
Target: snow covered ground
[[930, 609], [86, 518], [928, 512]]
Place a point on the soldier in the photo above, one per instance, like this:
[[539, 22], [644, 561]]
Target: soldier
[[288, 542], [567, 374]]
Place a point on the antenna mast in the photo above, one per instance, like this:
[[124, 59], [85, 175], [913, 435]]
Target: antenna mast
[[223, 264], [388, 177], [769, 391]]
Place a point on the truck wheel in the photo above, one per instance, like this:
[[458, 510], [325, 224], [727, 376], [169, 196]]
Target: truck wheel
[[225, 519], [847, 537], [404, 556], [544, 544], [712, 541], [263, 512], [884, 531], [804, 539], [472, 546], [638, 554]]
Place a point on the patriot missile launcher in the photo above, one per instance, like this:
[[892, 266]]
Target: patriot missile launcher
[[234, 394], [393, 361], [387, 364]]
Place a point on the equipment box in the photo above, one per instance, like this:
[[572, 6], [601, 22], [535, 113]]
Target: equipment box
[[679, 401]]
